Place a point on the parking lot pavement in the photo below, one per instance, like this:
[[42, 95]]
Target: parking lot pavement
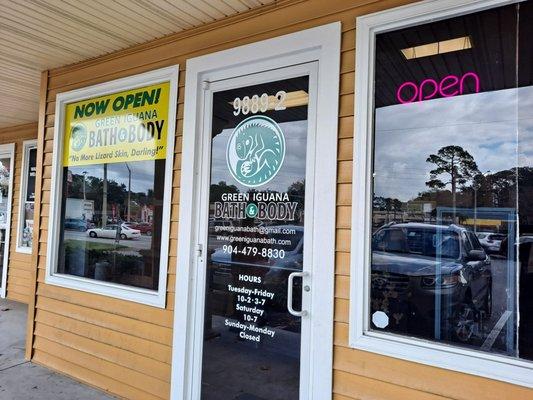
[[23, 380]]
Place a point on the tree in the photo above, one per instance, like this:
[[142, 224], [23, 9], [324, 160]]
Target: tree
[[456, 164]]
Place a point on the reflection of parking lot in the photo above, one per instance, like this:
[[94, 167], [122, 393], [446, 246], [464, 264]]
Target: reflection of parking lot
[[142, 243], [495, 335]]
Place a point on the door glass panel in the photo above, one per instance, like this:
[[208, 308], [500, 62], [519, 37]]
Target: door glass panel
[[5, 192], [251, 344]]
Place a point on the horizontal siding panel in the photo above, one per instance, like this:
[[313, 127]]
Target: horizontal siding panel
[[105, 319], [147, 366], [107, 336], [365, 388], [127, 376], [97, 379], [344, 215], [342, 263], [423, 378], [342, 287], [118, 307], [342, 307], [14, 294]]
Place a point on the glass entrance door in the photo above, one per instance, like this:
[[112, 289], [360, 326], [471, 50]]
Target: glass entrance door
[[6, 188], [258, 227]]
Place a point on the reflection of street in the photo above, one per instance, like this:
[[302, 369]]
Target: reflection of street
[[143, 243], [500, 270], [266, 370]]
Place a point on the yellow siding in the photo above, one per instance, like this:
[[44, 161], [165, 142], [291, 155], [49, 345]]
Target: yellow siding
[[19, 272], [124, 347]]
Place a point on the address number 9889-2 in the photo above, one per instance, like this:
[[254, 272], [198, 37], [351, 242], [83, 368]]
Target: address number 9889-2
[[257, 103]]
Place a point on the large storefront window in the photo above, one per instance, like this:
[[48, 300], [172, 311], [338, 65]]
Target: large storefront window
[[451, 228], [111, 214]]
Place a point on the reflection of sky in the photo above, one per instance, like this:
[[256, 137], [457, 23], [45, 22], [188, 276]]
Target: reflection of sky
[[293, 168], [484, 124], [142, 173]]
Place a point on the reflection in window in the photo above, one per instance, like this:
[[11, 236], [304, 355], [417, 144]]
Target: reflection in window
[[111, 222], [25, 234], [452, 217]]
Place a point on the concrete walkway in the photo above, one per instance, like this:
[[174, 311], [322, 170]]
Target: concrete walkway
[[22, 380]]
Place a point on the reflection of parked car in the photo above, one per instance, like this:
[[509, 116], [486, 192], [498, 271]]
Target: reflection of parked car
[[413, 262], [490, 241], [110, 231], [143, 227], [75, 224]]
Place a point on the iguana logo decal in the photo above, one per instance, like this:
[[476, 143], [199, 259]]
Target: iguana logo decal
[[256, 150], [78, 137]]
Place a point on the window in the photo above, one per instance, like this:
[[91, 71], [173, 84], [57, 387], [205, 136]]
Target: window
[[442, 216], [27, 196], [114, 149]]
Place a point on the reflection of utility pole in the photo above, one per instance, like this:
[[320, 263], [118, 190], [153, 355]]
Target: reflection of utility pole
[[129, 190], [84, 177], [104, 202]]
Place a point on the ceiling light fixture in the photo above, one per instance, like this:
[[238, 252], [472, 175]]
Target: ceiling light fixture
[[431, 49]]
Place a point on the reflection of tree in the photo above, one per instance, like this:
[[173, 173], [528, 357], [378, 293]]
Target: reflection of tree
[[117, 193], [217, 189], [456, 164], [386, 204]]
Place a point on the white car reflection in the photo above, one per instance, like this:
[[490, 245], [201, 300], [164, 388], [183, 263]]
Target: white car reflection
[[112, 230]]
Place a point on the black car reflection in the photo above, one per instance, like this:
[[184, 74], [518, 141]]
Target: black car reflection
[[432, 281]]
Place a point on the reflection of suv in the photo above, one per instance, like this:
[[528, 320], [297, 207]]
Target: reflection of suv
[[413, 262], [75, 224]]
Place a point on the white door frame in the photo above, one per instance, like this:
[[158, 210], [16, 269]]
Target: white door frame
[[7, 150], [321, 44]]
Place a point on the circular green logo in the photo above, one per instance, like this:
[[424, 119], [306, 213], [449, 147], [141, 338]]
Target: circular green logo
[[256, 150], [251, 210], [78, 137]]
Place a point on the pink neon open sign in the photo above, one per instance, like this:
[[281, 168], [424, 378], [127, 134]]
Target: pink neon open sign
[[449, 86]]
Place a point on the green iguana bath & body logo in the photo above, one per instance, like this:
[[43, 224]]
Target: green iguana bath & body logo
[[78, 137], [256, 150]]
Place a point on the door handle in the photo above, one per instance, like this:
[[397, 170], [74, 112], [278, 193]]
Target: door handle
[[290, 283]]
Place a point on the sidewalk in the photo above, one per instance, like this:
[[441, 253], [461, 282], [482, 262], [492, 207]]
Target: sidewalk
[[22, 380]]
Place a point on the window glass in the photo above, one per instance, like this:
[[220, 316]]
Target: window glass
[[28, 197], [452, 216], [113, 187], [111, 222], [255, 241]]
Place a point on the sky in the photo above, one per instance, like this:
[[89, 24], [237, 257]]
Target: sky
[[488, 125], [142, 173]]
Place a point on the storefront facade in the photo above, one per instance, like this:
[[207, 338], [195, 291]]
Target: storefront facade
[[18, 149], [261, 207]]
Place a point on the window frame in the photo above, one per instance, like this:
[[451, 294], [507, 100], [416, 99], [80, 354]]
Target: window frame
[[516, 371], [27, 146], [129, 293]]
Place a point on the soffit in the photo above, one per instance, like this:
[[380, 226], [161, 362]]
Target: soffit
[[38, 35]]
